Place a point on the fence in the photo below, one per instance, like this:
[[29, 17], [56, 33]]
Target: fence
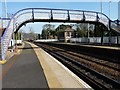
[[96, 40]]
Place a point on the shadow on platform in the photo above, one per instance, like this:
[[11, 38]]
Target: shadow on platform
[[28, 48]]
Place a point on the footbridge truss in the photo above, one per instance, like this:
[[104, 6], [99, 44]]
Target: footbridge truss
[[52, 15]]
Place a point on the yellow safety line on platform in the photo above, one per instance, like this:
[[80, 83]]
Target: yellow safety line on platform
[[3, 62], [53, 82]]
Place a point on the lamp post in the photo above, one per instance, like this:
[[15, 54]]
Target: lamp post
[[109, 8], [88, 32], [110, 29], [119, 11], [6, 9], [101, 6]]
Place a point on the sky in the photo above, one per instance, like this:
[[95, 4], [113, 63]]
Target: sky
[[13, 7]]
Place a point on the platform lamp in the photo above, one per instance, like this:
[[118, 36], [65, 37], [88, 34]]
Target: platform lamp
[[109, 7], [119, 12], [5, 8], [109, 18], [101, 6]]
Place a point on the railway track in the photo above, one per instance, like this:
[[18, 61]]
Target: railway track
[[90, 75], [113, 66], [101, 53]]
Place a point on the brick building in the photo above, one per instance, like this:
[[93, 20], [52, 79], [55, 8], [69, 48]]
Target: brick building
[[65, 35]]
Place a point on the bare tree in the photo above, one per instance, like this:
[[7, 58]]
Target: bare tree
[[48, 31], [32, 34]]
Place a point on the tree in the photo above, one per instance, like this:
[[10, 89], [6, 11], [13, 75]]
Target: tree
[[48, 31], [48, 27], [44, 34], [31, 34], [18, 35], [81, 29]]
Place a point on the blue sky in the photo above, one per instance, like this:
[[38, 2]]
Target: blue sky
[[12, 7]]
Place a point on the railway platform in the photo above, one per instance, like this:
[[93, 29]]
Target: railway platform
[[95, 46], [34, 68], [100, 46]]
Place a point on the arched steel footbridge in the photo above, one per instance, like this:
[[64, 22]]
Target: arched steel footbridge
[[52, 15]]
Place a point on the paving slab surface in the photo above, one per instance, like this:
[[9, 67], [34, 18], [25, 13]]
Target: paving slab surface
[[23, 71], [35, 68]]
